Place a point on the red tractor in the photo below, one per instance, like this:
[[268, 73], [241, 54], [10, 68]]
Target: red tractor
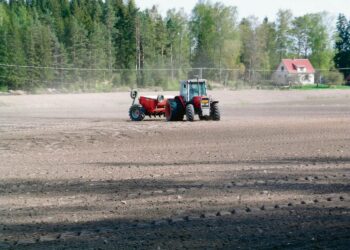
[[147, 105], [193, 100]]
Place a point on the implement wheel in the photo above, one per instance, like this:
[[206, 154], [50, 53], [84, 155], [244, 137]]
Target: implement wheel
[[136, 113]]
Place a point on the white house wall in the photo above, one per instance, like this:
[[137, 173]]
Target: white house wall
[[301, 79], [309, 80]]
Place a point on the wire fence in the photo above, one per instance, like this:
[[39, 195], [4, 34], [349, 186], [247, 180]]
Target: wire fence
[[28, 77]]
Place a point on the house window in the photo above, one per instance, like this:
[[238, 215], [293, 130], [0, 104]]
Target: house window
[[282, 68]]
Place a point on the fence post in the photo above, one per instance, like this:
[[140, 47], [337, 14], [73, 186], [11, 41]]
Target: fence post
[[250, 77]]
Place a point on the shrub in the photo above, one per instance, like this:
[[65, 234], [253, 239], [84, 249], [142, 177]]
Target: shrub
[[3, 88], [332, 78]]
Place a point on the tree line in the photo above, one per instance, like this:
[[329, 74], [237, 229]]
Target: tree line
[[45, 43]]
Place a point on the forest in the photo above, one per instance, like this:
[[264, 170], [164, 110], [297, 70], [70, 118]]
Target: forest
[[67, 43]]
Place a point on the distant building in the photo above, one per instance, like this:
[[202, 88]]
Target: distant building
[[294, 72]]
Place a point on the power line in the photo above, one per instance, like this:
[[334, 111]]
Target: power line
[[49, 67], [143, 69]]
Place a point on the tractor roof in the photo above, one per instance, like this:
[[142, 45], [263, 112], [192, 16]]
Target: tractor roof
[[196, 80]]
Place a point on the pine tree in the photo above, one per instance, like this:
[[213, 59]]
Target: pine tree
[[59, 61], [77, 48], [145, 47], [4, 24], [250, 48], [125, 39], [30, 41], [109, 21], [265, 44], [342, 56], [267, 37], [96, 49], [15, 50]]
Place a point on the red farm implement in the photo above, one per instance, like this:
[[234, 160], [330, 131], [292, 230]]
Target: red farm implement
[[146, 106]]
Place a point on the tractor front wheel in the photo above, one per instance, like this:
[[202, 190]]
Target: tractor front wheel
[[190, 112], [136, 113], [215, 111]]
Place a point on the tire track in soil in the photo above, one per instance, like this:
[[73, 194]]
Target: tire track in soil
[[242, 183], [288, 207]]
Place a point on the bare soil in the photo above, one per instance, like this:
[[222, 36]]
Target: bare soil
[[75, 173]]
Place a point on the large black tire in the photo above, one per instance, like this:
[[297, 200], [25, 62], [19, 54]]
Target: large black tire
[[190, 112], [136, 113], [180, 110], [171, 112], [215, 111]]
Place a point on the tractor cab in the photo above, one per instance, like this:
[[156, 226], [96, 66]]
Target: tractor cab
[[193, 88], [194, 93]]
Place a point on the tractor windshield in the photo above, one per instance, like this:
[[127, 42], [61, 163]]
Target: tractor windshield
[[197, 89]]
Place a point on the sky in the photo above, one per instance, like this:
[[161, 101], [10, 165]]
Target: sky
[[259, 8]]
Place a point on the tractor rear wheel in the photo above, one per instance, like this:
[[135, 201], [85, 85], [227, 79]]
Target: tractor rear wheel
[[215, 111], [136, 113], [171, 110], [180, 110], [190, 112]]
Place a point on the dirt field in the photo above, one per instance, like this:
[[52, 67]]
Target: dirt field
[[75, 173]]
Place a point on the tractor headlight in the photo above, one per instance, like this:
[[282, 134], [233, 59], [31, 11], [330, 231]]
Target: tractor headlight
[[205, 102]]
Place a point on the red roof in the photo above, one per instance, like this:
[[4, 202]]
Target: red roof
[[293, 64]]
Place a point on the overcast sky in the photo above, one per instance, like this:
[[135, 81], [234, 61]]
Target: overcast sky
[[259, 8]]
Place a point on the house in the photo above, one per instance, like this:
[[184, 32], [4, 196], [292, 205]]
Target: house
[[294, 72]]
